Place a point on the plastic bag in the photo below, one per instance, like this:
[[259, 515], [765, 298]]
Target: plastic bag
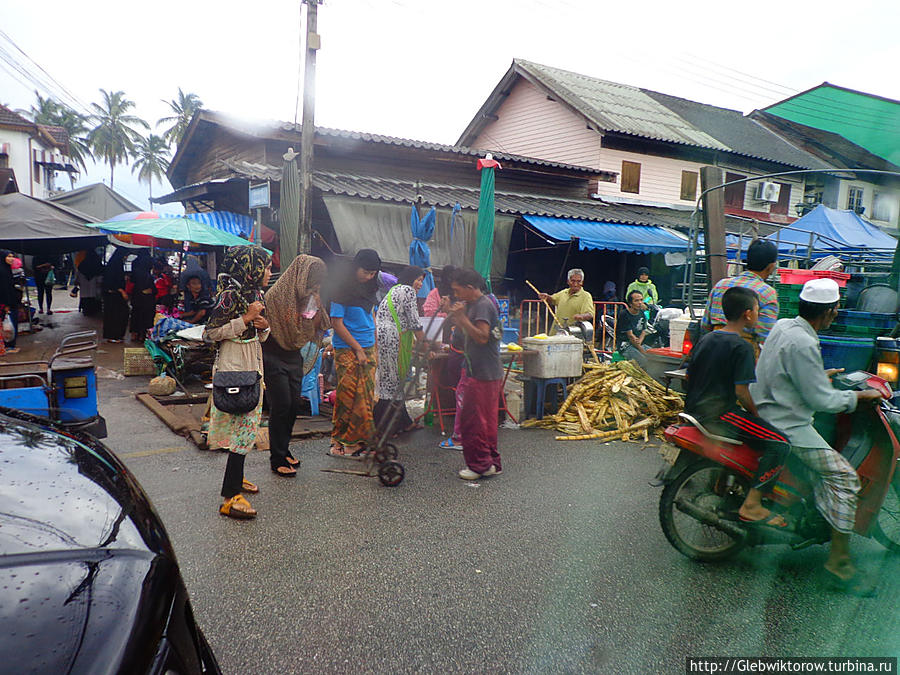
[[51, 279], [9, 331]]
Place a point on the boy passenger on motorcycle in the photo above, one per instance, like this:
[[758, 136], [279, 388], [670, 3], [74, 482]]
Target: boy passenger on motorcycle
[[791, 386], [719, 377]]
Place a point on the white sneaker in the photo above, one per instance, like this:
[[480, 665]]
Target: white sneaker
[[468, 474]]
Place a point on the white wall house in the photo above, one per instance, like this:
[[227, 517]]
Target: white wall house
[[35, 153], [655, 143]]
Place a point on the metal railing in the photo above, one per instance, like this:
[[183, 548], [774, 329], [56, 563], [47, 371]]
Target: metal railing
[[535, 318]]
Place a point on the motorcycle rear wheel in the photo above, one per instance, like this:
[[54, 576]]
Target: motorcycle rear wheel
[[886, 529], [709, 486]]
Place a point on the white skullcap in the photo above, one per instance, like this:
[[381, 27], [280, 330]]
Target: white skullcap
[[821, 291]]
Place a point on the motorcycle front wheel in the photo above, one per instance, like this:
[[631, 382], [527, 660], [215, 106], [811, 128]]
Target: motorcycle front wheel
[[886, 529], [710, 487]]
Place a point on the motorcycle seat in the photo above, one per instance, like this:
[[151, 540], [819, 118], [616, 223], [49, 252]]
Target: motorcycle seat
[[706, 432]]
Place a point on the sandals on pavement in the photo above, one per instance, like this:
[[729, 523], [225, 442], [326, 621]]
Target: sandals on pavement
[[284, 471], [292, 461], [237, 507], [248, 487]]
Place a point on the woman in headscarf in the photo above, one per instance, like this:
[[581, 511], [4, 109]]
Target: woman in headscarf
[[88, 275], [351, 308], [143, 296], [398, 328], [115, 299], [296, 317], [10, 296], [237, 326]]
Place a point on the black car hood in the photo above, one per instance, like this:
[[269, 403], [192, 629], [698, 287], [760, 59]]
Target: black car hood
[[87, 573], [60, 493], [70, 615]]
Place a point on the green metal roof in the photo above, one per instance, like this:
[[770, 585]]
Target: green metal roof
[[871, 122]]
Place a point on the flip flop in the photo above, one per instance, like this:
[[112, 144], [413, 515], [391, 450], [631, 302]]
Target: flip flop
[[415, 426], [284, 474], [765, 521], [292, 461]]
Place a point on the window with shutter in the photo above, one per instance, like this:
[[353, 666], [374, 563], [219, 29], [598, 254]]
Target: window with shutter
[[734, 194], [631, 177], [689, 185]]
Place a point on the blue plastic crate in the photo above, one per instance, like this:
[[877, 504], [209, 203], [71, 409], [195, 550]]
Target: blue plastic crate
[[849, 353], [848, 317]]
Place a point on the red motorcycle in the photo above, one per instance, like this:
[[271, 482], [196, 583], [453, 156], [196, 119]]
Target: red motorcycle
[[709, 479]]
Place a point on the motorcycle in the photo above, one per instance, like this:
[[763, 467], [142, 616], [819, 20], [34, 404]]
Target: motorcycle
[[706, 483]]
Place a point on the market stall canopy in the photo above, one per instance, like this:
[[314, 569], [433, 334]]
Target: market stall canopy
[[611, 236], [178, 228], [98, 201], [34, 226], [833, 230]]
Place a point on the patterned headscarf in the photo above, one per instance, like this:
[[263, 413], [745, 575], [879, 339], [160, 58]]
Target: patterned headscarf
[[240, 284], [288, 299]]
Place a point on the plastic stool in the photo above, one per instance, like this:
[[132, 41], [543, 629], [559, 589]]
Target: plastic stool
[[540, 393]]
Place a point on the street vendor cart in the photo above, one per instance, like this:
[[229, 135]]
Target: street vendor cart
[[63, 389]]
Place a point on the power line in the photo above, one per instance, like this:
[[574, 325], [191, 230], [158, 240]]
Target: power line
[[738, 72], [62, 87]]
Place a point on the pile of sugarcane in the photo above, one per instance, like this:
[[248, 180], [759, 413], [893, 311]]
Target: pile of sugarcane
[[613, 401]]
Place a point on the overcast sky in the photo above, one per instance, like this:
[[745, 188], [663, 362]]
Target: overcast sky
[[421, 68]]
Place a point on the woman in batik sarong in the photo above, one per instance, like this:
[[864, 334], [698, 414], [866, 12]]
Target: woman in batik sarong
[[352, 299]]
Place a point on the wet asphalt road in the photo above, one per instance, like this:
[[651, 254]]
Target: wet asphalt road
[[557, 566]]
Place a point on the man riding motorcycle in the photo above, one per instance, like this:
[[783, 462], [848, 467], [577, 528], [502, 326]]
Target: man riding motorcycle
[[791, 386]]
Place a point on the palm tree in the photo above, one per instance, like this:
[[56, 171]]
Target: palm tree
[[184, 107], [151, 159], [114, 137], [45, 110], [76, 125]]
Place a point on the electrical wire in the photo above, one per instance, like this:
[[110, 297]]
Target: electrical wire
[[73, 98], [299, 62]]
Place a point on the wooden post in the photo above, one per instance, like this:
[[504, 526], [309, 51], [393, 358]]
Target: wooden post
[[308, 128], [714, 225]]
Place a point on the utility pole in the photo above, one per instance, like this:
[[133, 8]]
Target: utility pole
[[714, 224], [308, 128]]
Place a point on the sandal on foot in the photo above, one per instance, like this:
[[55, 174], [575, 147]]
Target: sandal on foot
[[237, 507], [773, 521], [284, 471], [292, 461], [361, 453], [337, 451], [859, 585], [248, 487]]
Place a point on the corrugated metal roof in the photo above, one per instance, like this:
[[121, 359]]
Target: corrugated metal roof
[[619, 107], [436, 194], [455, 149], [743, 135]]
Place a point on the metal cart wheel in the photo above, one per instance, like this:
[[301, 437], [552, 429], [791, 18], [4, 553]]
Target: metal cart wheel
[[391, 473], [386, 452]]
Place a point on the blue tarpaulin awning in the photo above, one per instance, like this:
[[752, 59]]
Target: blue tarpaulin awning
[[611, 236]]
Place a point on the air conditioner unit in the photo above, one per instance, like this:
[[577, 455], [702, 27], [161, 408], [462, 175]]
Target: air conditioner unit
[[767, 192]]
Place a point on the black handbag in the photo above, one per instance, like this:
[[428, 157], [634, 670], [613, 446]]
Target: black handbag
[[237, 391]]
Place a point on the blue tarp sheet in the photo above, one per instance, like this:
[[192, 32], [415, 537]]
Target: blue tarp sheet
[[836, 231], [610, 236]]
